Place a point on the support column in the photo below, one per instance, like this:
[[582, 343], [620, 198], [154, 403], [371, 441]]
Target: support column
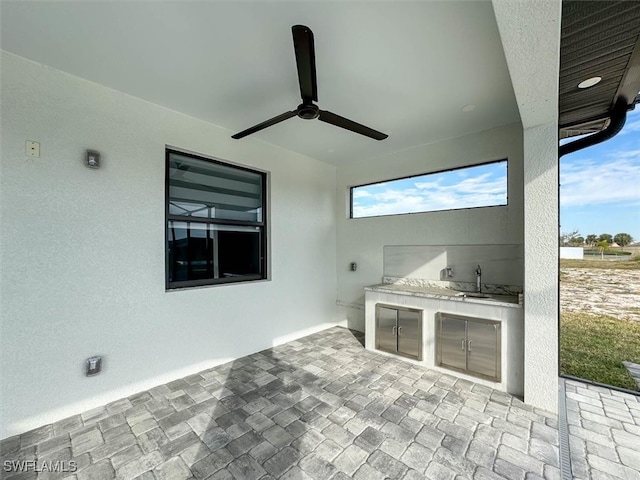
[[530, 34], [541, 266]]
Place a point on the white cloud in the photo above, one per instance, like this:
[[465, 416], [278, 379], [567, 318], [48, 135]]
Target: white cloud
[[625, 154], [477, 191], [360, 193], [632, 127], [428, 185], [633, 122], [474, 185], [587, 182]]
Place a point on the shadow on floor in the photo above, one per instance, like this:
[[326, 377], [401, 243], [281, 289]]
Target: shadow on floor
[[320, 407], [359, 336], [279, 412]]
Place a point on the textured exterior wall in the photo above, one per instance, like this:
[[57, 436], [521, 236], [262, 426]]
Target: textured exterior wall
[[83, 250], [362, 240], [530, 33], [541, 266]]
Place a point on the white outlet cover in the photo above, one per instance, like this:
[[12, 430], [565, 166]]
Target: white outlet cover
[[32, 148]]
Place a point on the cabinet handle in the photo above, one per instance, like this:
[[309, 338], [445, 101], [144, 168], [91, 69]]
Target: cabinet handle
[[399, 330], [469, 345], [393, 330], [463, 345]]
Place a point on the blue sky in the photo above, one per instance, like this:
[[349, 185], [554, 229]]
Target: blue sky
[[464, 188], [599, 193], [600, 185]]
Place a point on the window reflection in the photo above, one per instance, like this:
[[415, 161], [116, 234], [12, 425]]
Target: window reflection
[[198, 251], [216, 222]]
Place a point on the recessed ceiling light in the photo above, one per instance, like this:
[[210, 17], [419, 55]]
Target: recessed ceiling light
[[589, 82], [468, 108]]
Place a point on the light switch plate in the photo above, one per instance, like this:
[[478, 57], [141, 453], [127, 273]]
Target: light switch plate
[[32, 148]]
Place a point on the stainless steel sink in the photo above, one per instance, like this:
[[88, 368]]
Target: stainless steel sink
[[474, 295], [488, 296]]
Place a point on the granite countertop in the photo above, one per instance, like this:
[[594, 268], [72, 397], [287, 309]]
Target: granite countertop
[[441, 293]]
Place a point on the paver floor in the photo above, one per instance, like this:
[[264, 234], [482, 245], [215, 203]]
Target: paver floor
[[604, 432], [317, 408]]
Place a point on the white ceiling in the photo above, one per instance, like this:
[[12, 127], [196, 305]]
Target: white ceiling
[[404, 68]]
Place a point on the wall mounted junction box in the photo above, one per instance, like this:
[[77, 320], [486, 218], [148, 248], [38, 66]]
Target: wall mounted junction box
[[94, 366]]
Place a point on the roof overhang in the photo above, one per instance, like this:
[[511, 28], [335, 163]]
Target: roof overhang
[[599, 39]]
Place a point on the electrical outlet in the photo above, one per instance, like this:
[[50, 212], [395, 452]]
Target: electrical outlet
[[32, 148]]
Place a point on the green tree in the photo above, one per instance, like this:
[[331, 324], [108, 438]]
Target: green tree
[[591, 239], [623, 239], [575, 241], [605, 237], [603, 246], [568, 239]]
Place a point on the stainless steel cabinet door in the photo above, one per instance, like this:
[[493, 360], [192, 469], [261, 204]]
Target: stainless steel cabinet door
[[483, 348], [386, 322], [452, 343], [409, 334]]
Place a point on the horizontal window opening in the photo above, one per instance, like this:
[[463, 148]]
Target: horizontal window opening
[[467, 187]]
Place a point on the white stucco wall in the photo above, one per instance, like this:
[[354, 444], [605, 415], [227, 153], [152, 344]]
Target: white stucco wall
[[82, 250], [362, 240], [541, 266], [572, 252], [530, 33]]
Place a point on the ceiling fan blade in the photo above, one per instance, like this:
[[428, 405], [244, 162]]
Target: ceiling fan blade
[[265, 124], [306, 61], [350, 125]]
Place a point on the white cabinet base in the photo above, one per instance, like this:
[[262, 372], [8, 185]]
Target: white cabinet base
[[512, 341]]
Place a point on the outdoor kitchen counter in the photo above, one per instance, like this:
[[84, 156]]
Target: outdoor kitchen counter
[[429, 303], [510, 301]]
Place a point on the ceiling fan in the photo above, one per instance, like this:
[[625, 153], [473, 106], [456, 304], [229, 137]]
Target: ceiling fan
[[307, 110]]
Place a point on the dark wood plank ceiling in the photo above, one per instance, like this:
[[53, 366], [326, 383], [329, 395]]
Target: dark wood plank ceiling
[[599, 38]]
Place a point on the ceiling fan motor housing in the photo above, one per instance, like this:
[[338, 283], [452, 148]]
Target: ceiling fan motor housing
[[308, 111]]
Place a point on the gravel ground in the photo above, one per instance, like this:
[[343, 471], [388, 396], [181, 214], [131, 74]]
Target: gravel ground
[[601, 292]]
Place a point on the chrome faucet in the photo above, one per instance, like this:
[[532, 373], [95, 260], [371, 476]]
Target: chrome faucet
[[478, 279]]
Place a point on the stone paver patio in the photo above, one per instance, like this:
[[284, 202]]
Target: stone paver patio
[[604, 432], [318, 408]]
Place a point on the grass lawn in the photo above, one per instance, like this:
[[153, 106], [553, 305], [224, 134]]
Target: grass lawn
[[594, 346], [633, 264]]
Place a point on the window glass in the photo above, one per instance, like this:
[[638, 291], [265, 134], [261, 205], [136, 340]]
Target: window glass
[[469, 187], [200, 251], [210, 190], [215, 225]]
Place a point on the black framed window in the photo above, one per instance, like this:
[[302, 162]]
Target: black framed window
[[216, 225]]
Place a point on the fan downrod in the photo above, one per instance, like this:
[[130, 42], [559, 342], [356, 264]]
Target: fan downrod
[[308, 111]]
